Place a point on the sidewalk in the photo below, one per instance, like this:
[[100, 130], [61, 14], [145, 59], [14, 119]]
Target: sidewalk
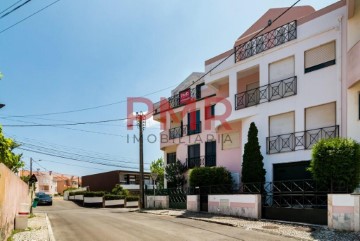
[[38, 230], [298, 231]]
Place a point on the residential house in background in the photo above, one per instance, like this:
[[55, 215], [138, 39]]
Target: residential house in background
[[51, 182], [66, 181], [297, 80], [106, 181]]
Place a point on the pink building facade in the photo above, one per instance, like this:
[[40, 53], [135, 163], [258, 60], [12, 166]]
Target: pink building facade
[[189, 134]]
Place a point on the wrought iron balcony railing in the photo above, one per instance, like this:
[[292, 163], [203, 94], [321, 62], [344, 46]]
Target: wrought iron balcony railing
[[175, 132], [299, 140], [210, 160], [194, 128], [192, 162], [174, 101], [266, 93], [271, 39], [207, 161]]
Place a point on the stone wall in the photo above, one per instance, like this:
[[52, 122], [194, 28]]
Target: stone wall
[[240, 205], [13, 192], [343, 212]]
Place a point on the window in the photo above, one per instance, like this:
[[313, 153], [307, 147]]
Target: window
[[282, 69], [210, 153], [320, 57], [194, 124], [282, 124], [209, 112], [281, 131], [320, 116], [230, 140], [198, 90], [171, 157], [194, 159]]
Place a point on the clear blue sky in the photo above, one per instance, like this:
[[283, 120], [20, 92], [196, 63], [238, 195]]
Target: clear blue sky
[[84, 53]]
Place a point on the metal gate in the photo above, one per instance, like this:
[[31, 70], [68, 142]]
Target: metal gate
[[177, 198], [297, 201]]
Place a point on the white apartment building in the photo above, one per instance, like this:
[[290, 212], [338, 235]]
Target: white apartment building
[[289, 80]]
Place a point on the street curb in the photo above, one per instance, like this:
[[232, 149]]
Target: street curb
[[50, 232]]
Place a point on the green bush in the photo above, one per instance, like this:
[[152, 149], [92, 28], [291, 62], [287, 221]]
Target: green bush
[[114, 197], [210, 176], [94, 194], [336, 162], [71, 193], [119, 190], [132, 198]]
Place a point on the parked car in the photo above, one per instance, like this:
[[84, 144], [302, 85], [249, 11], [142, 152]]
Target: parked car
[[44, 199]]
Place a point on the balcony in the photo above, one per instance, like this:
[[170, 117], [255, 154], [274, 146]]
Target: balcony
[[175, 101], [175, 132], [201, 161], [266, 93], [303, 140], [266, 41]]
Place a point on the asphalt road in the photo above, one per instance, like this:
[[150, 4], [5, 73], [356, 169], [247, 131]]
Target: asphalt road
[[71, 222]]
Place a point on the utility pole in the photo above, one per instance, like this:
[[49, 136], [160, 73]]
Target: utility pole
[[141, 124], [31, 161]]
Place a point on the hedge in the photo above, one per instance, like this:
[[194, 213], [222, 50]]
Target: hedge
[[336, 162], [210, 176], [113, 197], [132, 198], [94, 194]]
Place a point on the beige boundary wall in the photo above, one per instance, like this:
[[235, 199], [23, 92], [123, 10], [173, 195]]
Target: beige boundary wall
[[13, 192], [193, 203], [343, 212], [240, 205], [157, 202]]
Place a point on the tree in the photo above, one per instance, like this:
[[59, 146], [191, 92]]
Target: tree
[[10, 159], [119, 190], [252, 166], [335, 163], [157, 167], [174, 174]]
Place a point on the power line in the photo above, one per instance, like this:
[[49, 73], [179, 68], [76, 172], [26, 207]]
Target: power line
[[16, 8], [73, 165], [10, 6], [89, 108], [71, 153], [68, 124], [73, 129], [24, 19], [74, 159], [74, 149]]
